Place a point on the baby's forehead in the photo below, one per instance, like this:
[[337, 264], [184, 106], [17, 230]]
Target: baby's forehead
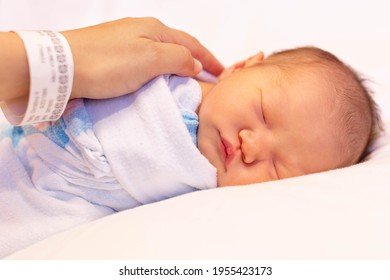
[[308, 94], [303, 79], [311, 85]]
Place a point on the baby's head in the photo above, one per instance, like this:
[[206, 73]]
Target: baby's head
[[297, 112]]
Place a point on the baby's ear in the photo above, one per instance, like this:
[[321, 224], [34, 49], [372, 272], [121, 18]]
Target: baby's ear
[[253, 60], [257, 58]]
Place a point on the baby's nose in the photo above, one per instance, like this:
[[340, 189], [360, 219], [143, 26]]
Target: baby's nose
[[252, 146]]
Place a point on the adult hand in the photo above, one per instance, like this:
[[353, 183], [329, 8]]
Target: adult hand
[[119, 57]]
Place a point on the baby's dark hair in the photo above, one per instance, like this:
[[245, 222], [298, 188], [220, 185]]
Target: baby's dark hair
[[357, 113]]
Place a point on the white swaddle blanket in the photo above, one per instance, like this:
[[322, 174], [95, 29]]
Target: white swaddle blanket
[[102, 156]]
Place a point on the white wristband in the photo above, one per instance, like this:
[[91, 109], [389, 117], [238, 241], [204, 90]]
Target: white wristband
[[51, 77]]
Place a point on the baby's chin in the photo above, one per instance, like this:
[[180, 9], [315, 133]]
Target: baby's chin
[[223, 180]]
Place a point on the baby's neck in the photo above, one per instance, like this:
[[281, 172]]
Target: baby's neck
[[205, 87]]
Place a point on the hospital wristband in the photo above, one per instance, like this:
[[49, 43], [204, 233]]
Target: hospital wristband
[[51, 78]]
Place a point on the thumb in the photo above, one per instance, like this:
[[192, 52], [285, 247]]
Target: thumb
[[176, 59]]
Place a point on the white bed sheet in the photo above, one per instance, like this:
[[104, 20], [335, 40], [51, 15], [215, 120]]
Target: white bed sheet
[[338, 214], [342, 214]]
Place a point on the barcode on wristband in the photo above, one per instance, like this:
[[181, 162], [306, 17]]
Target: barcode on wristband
[[51, 76]]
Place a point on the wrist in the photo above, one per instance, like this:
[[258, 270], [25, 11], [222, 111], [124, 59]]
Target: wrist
[[50, 67], [73, 46]]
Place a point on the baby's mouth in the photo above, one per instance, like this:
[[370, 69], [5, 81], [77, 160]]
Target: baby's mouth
[[227, 152]]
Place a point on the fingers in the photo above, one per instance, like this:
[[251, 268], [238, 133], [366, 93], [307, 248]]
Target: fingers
[[174, 59], [158, 32], [197, 50], [209, 62]]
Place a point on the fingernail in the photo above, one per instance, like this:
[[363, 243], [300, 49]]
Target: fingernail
[[197, 66]]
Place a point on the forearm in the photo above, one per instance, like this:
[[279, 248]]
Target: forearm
[[110, 59], [14, 72]]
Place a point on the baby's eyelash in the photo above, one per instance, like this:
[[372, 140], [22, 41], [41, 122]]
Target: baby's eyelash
[[262, 114], [276, 170]]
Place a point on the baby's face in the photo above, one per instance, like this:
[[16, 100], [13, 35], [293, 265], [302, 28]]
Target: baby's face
[[254, 127]]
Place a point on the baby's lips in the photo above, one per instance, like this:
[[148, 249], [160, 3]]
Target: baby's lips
[[228, 151]]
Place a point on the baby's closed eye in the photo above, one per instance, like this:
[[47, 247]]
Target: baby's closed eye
[[275, 169]]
